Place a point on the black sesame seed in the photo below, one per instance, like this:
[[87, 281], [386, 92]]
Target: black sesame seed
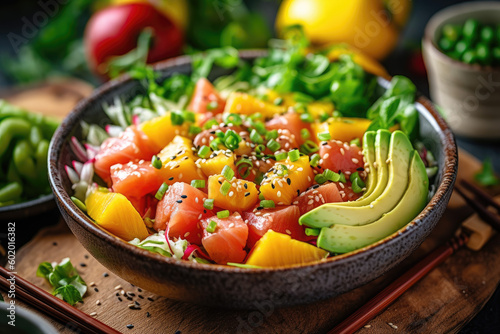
[[245, 186], [324, 143], [247, 194], [219, 182], [137, 303], [204, 211], [360, 169], [179, 201], [212, 132], [117, 294], [141, 296], [260, 208], [148, 314], [298, 192], [288, 181], [120, 299], [185, 158], [129, 298], [86, 256], [130, 326], [184, 196], [272, 185], [171, 178], [96, 289], [54, 243], [105, 274], [315, 186], [83, 264], [139, 289], [151, 299], [131, 294], [180, 152]]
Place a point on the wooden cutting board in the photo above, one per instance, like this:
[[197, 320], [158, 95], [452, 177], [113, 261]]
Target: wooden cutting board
[[444, 301]]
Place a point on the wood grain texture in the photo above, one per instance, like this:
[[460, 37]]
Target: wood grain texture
[[444, 301]]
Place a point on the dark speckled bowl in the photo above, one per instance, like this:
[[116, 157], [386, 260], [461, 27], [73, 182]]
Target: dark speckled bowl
[[231, 287]]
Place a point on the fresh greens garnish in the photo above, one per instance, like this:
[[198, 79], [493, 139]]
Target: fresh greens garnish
[[64, 279], [486, 176]]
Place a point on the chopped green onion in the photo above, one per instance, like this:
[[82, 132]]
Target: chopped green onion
[[156, 162], [194, 130], [204, 152], [259, 149], [255, 137], [281, 170], [161, 191], [212, 105], [214, 144], [200, 184], [342, 178], [234, 119], [261, 197], [79, 204], [223, 214], [232, 140], [176, 118], [273, 134], [356, 142], [312, 232], [324, 117], [281, 156], [228, 173], [294, 155], [220, 134], [308, 118], [259, 178], [273, 145], [315, 158], [210, 123], [259, 126], [267, 203], [224, 188], [211, 227], [189, 116], [309, 147], [278, 101], [324, 136], [320, 179], [331, 176], [357, 185], [244, 167], [208, 204], [255, 116], [305, 134]]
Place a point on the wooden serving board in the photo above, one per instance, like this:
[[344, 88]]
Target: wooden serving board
[[444, 301]]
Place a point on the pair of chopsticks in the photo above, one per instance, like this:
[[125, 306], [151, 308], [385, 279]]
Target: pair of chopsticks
[[53, 306], [387, 296]]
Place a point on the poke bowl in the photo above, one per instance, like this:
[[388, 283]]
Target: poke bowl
[[247, 283]]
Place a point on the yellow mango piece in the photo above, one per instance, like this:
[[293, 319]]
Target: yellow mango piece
[[245, 104], [345, 128], [178, 162], [215, 165], [283, 184], [241, 196], [161, 130], [115, 213], [280, 250]]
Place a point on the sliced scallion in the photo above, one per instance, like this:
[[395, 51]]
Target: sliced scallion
[[324, 136], [161, 191], [156, 162], [204, 152], [200, 184], [267, 203], [223, 214], [228, 173], [211, 227], [224, 188], [208, 203], [294, 155]]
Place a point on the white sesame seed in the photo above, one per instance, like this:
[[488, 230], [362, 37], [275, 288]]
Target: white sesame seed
[[326, 156], [288, 231], [91, 283], [231, 225], [231, 193], [308, 178], [311, 201], [118, 287], [355, 160], [199, 217], [180, 176], [341, 185], [295, 202], [98, 302], [93, 314], [196, 199], [187, 234], [342, 151]]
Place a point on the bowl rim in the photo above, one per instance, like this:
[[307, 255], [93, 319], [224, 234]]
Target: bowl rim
[[450, 164], [448, 13]]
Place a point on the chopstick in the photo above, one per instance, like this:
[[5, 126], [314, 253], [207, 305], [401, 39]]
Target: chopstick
[[53, 306], [394, 290]]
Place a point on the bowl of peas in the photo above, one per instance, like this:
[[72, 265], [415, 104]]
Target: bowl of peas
[[461, 49], [24, 144]]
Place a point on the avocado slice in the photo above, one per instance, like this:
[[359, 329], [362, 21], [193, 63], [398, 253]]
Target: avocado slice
[[400, 151], [369, 154], [379, 166], [343, 238]]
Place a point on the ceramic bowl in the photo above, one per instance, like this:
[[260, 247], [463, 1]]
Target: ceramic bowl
[[469, 94], [232, 287], [25, 321]]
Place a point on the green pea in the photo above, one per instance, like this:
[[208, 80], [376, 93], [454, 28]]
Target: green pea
[[452, 32], [445, 44], [461, 47], [23, 160], [471, 30], [487, 34], [12, 127], [469, 57], [11, 192], [483, 54]]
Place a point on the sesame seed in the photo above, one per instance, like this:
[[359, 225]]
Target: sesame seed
[[342, 151], [355, 160], [118, 287], [326, 156], [196, 199], [179, 201], [247, 194], [310, 202], [93, 314], [231, 193], [187, 234], [295, 202], [288, 231], [130, 326], [278, 194], [98, 302], [91, 283]]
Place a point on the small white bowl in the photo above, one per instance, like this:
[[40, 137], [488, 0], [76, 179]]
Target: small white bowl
[[468, 93]]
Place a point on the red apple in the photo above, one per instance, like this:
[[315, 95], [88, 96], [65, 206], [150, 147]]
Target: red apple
[[114, 31]]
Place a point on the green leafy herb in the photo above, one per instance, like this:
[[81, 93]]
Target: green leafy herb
[[486, 176], [64, 279]]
